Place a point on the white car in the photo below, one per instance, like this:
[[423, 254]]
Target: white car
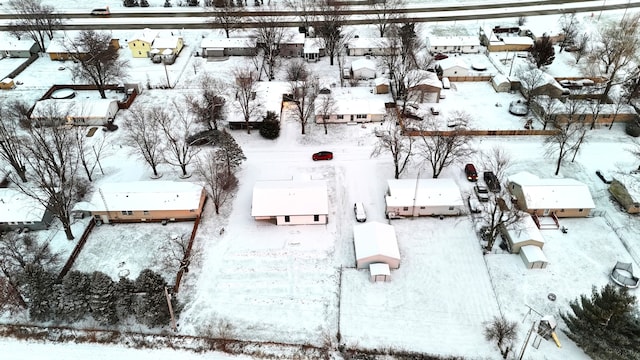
[[358, 209]]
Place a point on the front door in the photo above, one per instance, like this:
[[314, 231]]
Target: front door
[[546, 212]]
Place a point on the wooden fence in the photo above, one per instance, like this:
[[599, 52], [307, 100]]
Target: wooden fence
[[76, 251]]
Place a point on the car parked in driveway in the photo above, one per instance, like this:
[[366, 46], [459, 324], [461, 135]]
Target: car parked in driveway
[[322, 155], [358, 210], [470, 171], [482, 192], [492, 181], [440, 56], [474, 205]]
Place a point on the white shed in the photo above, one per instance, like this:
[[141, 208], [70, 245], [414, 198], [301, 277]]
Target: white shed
[[501, 83], [379, 272], [376, 243], [291, 202], [522, 233], [363, 69], [454, 66], [423, 197], [533, 257]]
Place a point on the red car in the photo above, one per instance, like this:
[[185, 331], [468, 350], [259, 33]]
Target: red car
[[440, 56], [470, 171], [322, 155]]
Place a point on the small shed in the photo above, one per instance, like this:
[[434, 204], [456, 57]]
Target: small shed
[[453, 66], [501, 83], [376, 243], [381, 86], [522, 233], [7, 84], [363, 69], [533, 257], [379, 272]]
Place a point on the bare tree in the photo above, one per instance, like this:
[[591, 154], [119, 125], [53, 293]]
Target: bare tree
[[304, 95], [88, 154], [270, 38], [497, 216], [570, 132], [618, 103], [387, 13], [245, 85], [176, 129], [225, 16], [330, 29], [10, 142], [297, 70], [306, 11], [530, 79], [177, 254], [443, 148], [325, 106], [17, 252], [504, 332], [618, 44], [569, 26], [96, 60], [496, 159], [399, 146], [219, 184], [546, 109], [581, 46], [38, 21], [52, 162], [632, 86], [143, 135], [208, 106]]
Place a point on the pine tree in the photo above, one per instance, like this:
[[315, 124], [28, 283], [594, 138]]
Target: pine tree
[[39, 290], [232, 154], [606, 325], [151, 308], [73, 300], [543, 52], [124, 294], [102, 299], [270, 127]]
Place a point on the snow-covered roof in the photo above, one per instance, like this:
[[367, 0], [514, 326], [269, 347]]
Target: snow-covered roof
[[269, 94], [375, 238], [146, 35], [18, 207], [7, 80], [169, 42], [428, 192], [13, 44], [353, 106], [422, 77], [146, 195], [62, 45], [380, 81], [72, 108], [533, 253], [294, 38], [371, 43], [562, 193], [517, 40], [290, 197], [226, 43], [313, 45], [363, 64], [500, 79], [452, 62], [453, 41], [379, 269], [525, 229]]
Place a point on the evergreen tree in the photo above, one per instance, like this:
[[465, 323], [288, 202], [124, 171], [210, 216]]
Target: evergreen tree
[[102, 298], [151, 307], [605, 326], [73, 299], [231, 153], [39, 289], [543, 52], [270, 127], [124, 298]]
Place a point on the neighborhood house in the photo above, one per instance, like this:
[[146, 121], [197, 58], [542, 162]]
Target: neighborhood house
[[19, 211], [219, 47], [140, 45], [423, 197], [141, 201], [359, 46], [75, 111], [453, 44], [291, 202], [349, 105]]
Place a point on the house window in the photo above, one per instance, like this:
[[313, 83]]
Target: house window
[[325, 117], [561, 210], [127, 212], [513, 186], [287, 218], [450, 208], [422, 207], [472, 47], [145, 212], [361, 116], [340, 117], [316, 218], [580, 210], [406, 208]]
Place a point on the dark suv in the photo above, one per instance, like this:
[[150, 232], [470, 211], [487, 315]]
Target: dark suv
[[492, 181]]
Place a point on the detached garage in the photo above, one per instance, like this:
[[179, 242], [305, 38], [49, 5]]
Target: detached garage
[[533, 257], [376, 243], [522, 233]]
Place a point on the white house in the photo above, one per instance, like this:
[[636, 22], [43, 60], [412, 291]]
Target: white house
[[94, 112], [363, 69], [18, 211], [561, 197], [313, 49], [372, 46], [235, 46], [351, 104], [423, 86], [291, 202], [423, 197], [453, 66], [376, 243], [268, 97], [522, 233], [449, 44]]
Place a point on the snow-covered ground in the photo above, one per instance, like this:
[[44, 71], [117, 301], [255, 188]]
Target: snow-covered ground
[[298, 284]]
